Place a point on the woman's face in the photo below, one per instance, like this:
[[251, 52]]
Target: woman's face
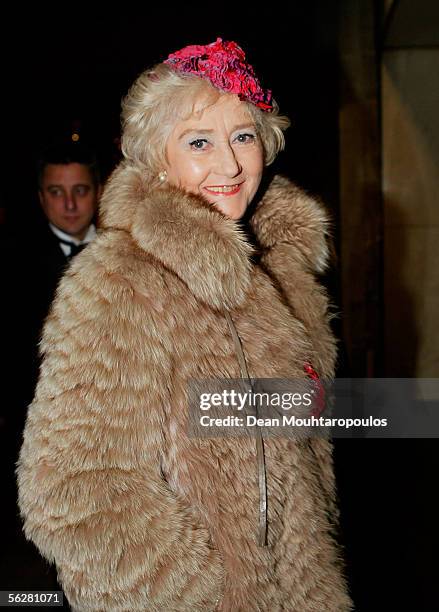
[[217, 154]]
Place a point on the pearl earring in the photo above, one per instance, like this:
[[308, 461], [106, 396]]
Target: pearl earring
[[163, 175]]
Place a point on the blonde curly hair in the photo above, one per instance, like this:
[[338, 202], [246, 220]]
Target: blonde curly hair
[[161, 96]]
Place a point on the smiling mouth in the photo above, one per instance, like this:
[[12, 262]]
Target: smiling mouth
[[223, 189]]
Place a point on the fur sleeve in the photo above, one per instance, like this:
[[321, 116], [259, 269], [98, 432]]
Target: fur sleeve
[[292, 229], [91, 491]]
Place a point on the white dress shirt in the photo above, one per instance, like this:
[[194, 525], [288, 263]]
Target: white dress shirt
[[91, 233]]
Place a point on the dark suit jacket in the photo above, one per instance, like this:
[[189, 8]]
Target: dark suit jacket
[[32, 263]]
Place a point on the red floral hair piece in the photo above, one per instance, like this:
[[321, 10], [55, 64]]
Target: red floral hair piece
[[223, 64]]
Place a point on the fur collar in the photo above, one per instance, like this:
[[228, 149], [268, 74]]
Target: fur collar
[[201, 246]]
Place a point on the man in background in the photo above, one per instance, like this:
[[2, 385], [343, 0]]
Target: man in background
[[34, 254], [69, 190]]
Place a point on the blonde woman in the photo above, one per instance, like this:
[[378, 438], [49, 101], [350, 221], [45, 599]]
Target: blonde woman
[[135, 513]]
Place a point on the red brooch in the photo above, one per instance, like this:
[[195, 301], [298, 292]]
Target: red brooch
[[319, 390]]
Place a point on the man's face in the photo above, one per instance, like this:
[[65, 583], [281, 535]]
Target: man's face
[[69, 197]]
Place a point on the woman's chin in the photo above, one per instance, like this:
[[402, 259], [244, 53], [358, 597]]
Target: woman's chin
[[229, 210]]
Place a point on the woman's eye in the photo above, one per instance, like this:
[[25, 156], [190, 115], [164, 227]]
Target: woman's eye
[[198, 144], [245, 138]]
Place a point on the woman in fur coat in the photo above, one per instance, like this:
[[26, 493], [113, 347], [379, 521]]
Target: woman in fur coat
[[135, 513]]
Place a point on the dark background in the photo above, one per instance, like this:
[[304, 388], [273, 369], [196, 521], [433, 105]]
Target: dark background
[[67, 68]]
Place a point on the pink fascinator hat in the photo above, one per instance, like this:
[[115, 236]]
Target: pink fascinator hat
[[223, 64]]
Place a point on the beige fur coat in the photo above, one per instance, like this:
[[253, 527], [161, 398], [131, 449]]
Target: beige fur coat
[[136, 514]]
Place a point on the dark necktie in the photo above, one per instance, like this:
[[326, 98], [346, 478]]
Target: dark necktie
[[74, 248]]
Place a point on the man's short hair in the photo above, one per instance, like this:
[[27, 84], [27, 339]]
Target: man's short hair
[[69, 153]]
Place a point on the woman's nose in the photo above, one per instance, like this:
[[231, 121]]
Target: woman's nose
[[227, 162]]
